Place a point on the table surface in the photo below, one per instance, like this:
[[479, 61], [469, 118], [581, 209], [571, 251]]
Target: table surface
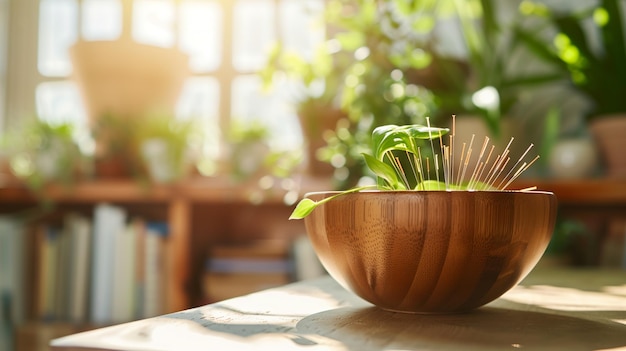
[[552, 309]]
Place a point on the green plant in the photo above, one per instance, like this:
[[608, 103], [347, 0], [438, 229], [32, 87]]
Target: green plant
[[252, 153], [136, 144], [400, 165], [361, 70], [486, 82], [45, 152], [596, 71], [386, 42]]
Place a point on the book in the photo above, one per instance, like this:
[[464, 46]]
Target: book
[[124, 275], [108, 222], [80, 233], [48, 272], [11, 279], [154, 269]]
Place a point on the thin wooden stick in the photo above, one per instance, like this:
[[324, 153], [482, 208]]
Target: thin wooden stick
[[480, 157], [390, 155], [460, 166], [452, 149], [522, 170], [432, 148], [515, 165], [420, 166], [443, 161], [408, 156], [467, 159], [486, 163], [404, 178], [500, 173]]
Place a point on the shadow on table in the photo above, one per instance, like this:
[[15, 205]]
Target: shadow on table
[[485, 328]]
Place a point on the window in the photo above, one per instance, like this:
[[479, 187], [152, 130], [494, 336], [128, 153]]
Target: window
[[227, 41]]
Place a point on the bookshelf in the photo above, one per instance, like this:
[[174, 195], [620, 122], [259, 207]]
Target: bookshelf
[[200, 213], [181, 205]]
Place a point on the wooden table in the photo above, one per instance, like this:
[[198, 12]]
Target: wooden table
[[553, 309]]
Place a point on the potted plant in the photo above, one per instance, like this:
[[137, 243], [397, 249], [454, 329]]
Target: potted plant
[[44, 152], [360, 70], [445, 242], [597, 72], [317, 100], [486, 82], [151, 146], [251, 155], [166, 146]]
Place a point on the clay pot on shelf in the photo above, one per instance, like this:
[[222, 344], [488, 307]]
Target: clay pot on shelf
[[610, 135], [573, 158]]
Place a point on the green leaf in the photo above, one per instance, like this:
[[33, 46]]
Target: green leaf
[[306, 205], [383, 170], [431, 185], [303, 209], [401, 138]]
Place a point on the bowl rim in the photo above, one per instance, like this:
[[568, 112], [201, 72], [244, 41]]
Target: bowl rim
[[421, 192]]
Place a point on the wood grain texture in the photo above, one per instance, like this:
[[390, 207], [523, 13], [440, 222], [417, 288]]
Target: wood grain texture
[[552, 309], [431, 252]]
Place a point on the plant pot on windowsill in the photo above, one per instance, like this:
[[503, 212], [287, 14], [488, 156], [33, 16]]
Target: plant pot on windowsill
[[315, 119], [609, 133]]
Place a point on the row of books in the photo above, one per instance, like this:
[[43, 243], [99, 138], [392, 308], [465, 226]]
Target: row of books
[[11, 291], [99, 269]]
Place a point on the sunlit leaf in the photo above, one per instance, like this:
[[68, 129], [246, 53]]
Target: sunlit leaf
[[382, 170], [303, 209]]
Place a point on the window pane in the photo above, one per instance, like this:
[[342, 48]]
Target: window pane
[[301, 25], [200, 27], [199, 100], [254, 33], [57, 32], [60, 102], [250, 102], [101, 19], [153, 22]]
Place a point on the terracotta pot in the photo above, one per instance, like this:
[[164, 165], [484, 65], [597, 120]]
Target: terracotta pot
[[431, 251], [609, 133], [314, 124]]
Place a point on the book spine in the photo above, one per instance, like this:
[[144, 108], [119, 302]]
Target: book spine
[[108, 222]]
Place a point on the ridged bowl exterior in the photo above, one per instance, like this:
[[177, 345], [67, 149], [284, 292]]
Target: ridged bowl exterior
[[431, 251]]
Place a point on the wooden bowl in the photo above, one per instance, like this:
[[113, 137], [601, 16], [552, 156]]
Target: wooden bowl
[[431, 251]]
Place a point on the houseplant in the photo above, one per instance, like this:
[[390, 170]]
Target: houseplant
[[357, 76], [597, 72], [439, 246], [149, 146], [43, 152], [489, 80]]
